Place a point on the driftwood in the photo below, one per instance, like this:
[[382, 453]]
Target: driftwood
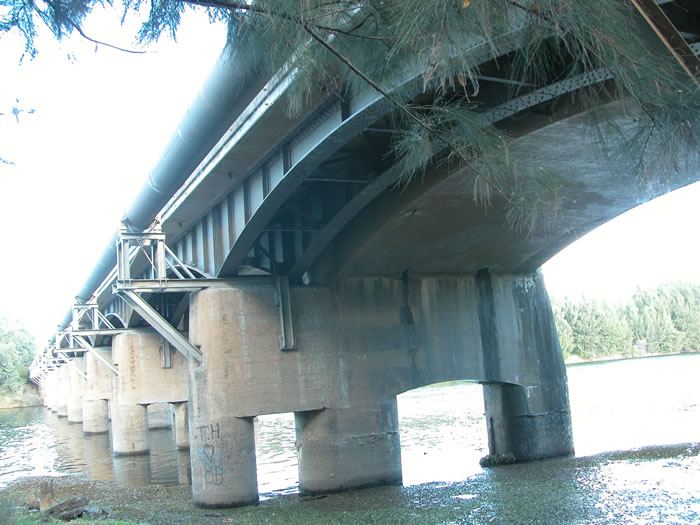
[[69, 509], [31, 502], [45, 495]]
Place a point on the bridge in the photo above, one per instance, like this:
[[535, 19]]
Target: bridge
[[276, 264]]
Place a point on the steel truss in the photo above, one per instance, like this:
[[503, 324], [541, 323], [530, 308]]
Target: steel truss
[[162, 260]]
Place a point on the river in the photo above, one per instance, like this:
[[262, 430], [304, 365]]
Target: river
[[616, 406]]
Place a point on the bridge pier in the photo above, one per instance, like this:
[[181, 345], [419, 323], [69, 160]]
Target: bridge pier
[[143, 380], [76, 385], [526, 394], [182, 427], [62, 386], [98, 390], [160, 415], [222, 444], [50, 390], [357, 345], [129, 417], [348, 448]]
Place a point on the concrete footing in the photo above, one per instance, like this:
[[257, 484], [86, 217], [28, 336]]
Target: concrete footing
[[337, 356], [160, 415], [95, 418], [76, 385], [129, 430], [61, 391], [182, 427], [514, 428], [348, 448], [222, 452]]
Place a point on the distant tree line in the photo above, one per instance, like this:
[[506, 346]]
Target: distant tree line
[[661, 321], [16, 353]]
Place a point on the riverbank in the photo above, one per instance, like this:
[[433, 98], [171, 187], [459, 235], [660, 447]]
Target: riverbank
[[649, 485], [576, 360], [27, 397]]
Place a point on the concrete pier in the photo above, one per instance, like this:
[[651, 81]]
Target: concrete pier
[[160, 415], [129, 430], [222, 439], [359, 344], [182, 427], [527, 404], [49, 388], [98, 391], [61, 391], [142, 381], [327, 438], [76, 385]]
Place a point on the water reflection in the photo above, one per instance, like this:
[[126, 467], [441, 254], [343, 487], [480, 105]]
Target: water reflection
[[26, 444], [98, 464], [629, 404], [620, 405], [275, 447], [443, 432]]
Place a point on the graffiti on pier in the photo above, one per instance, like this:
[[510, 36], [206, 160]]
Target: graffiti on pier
[[207, 455]]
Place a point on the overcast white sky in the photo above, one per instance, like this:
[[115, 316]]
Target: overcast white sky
[[101, 121]]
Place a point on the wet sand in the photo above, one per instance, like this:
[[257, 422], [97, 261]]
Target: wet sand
[[649, 485]]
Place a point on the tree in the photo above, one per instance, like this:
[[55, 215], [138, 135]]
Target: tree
[[667, 319], [346, 46], [664, 320], [17, 350]]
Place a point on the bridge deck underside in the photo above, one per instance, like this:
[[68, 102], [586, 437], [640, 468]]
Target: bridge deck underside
[[435, 226]]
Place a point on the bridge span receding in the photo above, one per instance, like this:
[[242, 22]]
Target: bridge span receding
[[275, 264]]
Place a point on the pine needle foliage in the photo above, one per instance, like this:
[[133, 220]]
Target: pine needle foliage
[[350, 46]]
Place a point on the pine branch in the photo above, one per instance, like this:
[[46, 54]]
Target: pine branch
[[67, 20], [404, 109], [311, 30], [241, 6], [101, 43]]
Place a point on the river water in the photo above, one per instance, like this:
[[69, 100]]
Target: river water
[[616, 406]]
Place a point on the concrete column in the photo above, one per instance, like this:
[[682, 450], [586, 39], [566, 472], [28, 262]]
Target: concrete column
[[76, 385], [129, 417], [160, 416], [348, 448], [98, 389], [222, 438], [142, 381], [50, 390], [129, 430], [182, 427], [95, 420], [222, 452], [184, 468], [530, 419], [61, 386]]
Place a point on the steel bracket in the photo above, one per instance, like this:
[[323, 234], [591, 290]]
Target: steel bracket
[[166, 360], [283, 301]]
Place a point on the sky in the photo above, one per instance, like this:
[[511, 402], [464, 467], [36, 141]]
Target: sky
[[101, 120]]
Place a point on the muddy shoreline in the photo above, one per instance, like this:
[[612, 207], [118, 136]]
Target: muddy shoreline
[[563, 490]]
